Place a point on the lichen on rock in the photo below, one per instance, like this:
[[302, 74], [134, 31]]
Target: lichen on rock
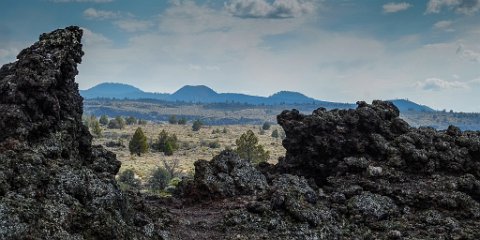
[[53, 183]]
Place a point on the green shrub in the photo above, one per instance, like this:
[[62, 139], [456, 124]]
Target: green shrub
[[131, 120], [172, 119], [138, 143], [103, 120], [197, 125], [249, 149], [275, 133], [159, 179], [127, 177], [166, 143], [182, 121], [266, 126]]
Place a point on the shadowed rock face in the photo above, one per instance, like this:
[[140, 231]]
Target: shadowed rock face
[[53, 183]]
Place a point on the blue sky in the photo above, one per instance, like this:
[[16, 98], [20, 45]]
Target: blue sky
[[339, 50]]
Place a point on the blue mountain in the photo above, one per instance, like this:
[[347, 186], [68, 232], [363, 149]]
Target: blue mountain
[[204, 94]]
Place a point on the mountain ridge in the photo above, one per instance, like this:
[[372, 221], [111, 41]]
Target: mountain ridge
[[205, 94]]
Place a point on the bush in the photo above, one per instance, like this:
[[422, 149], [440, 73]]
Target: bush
[[249, 149], [97, 130], [131, 120], [159, 179], [266, 126], [103, 120], [127, 177], [225, 130], [166, 143], [116, 123], [142, 122], [197, 125], [275, 133], [214, 144], [138, 143], [182, 121], [172, 119]]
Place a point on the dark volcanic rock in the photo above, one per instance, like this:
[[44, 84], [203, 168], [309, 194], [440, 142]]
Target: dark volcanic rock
[[53, 183], [226, 175], [378, 173]]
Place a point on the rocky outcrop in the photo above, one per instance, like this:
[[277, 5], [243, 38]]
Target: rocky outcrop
[[226, 175], [377, 172], [53, 183]]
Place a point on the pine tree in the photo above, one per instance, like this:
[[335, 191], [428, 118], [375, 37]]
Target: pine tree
[[138, 143], [166, 143], [97, 130], [172, 119], [103, 120], [197, 125], [249, 149], [182, 121], [120, 121], [275, 133]]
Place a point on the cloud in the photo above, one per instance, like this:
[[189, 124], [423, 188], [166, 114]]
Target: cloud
[[275, 9], [444, 25], [92, 13], [396, 7], [468, 54], [8, 52], [94, 1], [467, 7], [194, 67], [437, 84], [133, 25], [92, 39]]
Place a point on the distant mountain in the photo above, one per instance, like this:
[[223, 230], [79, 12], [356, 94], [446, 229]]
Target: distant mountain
[[204, 94], [119, 91], [194, 94], [407, 105]]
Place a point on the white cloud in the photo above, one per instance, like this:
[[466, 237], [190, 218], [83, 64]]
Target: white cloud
[[437, 84], [467, 7], [468, 54], [92, 13], [275, 9], [8, 52], [92, 39], [444, 25], [396, 7], [194, 67], [94, 1], [133, 25], [190, 41]]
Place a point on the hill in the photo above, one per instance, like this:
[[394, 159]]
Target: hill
[[204, 94]]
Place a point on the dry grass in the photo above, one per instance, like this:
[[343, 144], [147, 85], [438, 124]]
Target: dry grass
[[193, 145]]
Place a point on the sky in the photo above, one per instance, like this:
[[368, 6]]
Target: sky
[[427, 51]]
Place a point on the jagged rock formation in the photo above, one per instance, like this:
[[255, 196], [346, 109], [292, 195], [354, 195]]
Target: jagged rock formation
[[53, 183], [365, 174], [381, 175], [226, 175]]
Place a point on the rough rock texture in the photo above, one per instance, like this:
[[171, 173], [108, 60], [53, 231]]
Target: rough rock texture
[[378, 172], [53, 183], [364, 174], [226, 175]]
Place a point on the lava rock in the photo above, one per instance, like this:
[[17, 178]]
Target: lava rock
[[226, 175], [53, 183]]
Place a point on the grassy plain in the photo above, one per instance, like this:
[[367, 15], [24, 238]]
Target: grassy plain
[[192, 145]]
